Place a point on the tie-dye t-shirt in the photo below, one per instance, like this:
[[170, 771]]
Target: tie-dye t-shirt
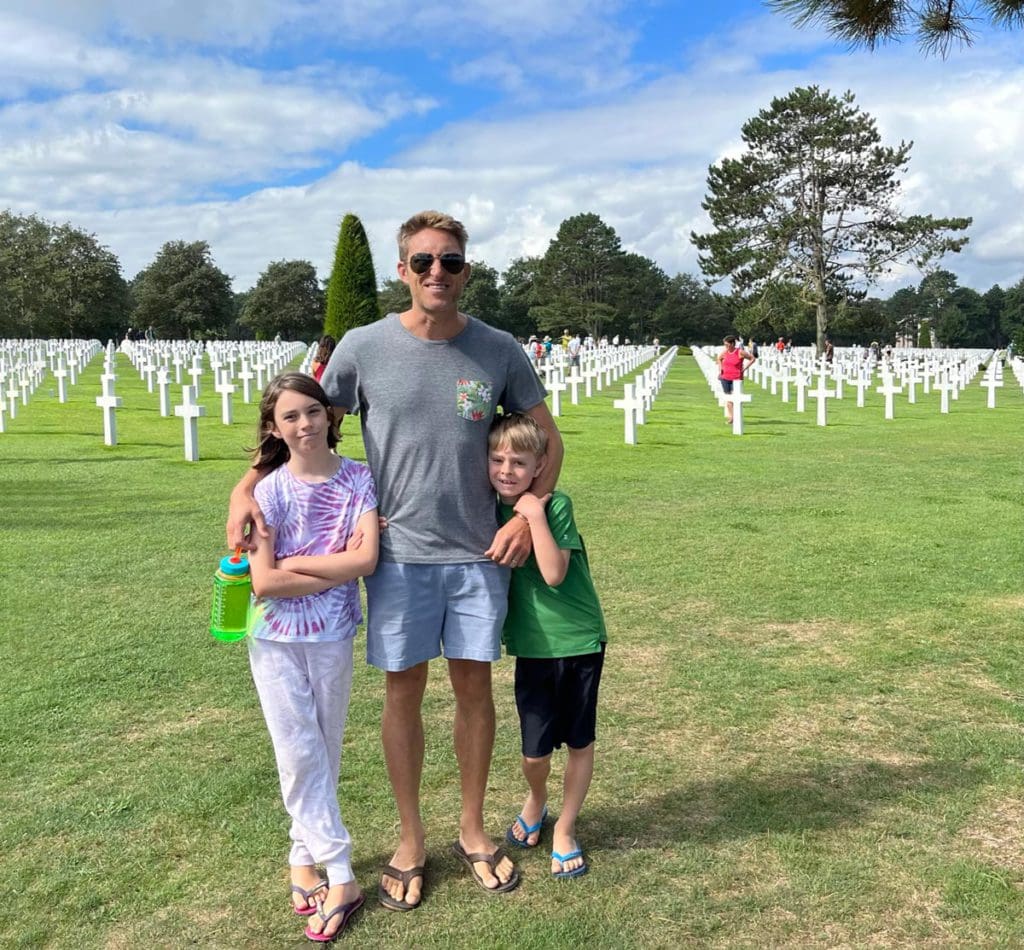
[[312, 518]]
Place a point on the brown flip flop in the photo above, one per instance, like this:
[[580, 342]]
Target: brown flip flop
[[491, 860], [406, 877]]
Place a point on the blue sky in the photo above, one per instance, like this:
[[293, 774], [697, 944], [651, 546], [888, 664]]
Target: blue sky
[[256, 125]]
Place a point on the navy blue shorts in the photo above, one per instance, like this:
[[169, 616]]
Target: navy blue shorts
[[557, 702], [726, 385]]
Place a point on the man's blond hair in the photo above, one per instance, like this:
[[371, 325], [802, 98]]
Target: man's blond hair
[[521, 433], [431, 219]]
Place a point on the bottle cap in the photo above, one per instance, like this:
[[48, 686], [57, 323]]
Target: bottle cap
[[234, 565]]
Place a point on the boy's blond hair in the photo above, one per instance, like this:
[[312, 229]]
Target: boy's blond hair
[[431, 219], [519, 432]]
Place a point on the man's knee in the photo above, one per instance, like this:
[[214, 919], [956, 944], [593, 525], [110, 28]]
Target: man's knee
[[404, 689], [471, 681]]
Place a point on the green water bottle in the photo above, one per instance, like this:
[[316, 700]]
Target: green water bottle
[[232, 586]]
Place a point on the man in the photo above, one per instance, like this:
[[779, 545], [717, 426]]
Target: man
[[426, 383], [574, 348]]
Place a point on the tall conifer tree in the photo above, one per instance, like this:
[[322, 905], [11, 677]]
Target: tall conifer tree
[[352, 291]]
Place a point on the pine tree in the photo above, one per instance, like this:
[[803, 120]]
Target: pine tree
[[812, 203], [352, 291]]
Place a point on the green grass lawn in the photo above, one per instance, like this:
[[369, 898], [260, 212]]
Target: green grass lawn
[[810, 722]]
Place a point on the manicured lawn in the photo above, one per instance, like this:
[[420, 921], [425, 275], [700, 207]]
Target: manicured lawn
[[810, 730]]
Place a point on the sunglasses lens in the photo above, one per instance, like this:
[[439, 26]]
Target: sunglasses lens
[[421, 263]]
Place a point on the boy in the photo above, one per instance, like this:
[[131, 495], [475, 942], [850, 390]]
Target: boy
[[556, 631]]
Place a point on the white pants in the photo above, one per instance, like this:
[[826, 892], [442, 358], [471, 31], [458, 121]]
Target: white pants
[[304, 691]]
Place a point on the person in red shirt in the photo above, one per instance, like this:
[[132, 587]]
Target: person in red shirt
[[732, 363]]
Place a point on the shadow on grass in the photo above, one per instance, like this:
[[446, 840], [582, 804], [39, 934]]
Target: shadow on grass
[[830, 795]]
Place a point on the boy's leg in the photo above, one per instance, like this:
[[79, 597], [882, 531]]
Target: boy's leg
[[578, 772], [536, 688], [536, 772], [579, 684]]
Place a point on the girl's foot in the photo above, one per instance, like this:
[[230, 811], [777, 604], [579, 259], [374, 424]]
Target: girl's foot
[[337, 896], [307, 885]]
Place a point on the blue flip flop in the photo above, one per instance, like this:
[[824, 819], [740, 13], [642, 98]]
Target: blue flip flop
[[562, 858], [527, 830]]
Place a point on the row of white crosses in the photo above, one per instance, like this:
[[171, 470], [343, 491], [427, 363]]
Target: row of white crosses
[[599, 366], [1017, 368], [154, 360], [24, 364], [946, 371], [638, 396]]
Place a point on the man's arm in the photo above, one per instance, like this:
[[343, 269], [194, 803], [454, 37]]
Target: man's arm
[[545, 482], [512, 543], [245, 520]]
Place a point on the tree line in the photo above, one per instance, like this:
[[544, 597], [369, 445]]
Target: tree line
[[59, 281]]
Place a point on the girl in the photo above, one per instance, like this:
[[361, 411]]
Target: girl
[[323, 355], [321, 512]]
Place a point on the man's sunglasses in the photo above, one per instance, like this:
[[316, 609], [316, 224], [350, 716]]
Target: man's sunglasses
[[451, 262]]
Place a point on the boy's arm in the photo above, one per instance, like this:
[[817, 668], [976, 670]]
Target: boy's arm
[[357, 560], [552, 560], [269, 580], [512, 543]]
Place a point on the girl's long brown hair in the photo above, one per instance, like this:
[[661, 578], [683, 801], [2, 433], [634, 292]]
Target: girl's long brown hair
[[270, 451]]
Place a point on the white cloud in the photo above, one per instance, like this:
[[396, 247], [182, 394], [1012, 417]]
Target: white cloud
[[132, 143]]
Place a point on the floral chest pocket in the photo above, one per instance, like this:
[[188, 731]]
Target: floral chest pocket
[[473, 399]]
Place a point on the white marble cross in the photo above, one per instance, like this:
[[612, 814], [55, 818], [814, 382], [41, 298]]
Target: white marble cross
[[190, 412], [246, 376], [225, 388], [785, 379], [801, 390], [163, 383], [822, 394], [61, 375], [860, 382], [196, 372], [109, 403], [944, 387], [991, 384], [630, 403], [889, 389], [556, 388], [574, 379], [737, 398], [12, 398]]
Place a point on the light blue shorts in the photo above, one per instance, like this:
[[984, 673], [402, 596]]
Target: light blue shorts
[[417, 611]]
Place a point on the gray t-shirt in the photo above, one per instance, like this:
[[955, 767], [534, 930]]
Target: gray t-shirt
[[426, 407]]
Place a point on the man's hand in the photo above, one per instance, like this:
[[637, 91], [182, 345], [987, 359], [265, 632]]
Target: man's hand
[[512, 544], [245, 522]]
